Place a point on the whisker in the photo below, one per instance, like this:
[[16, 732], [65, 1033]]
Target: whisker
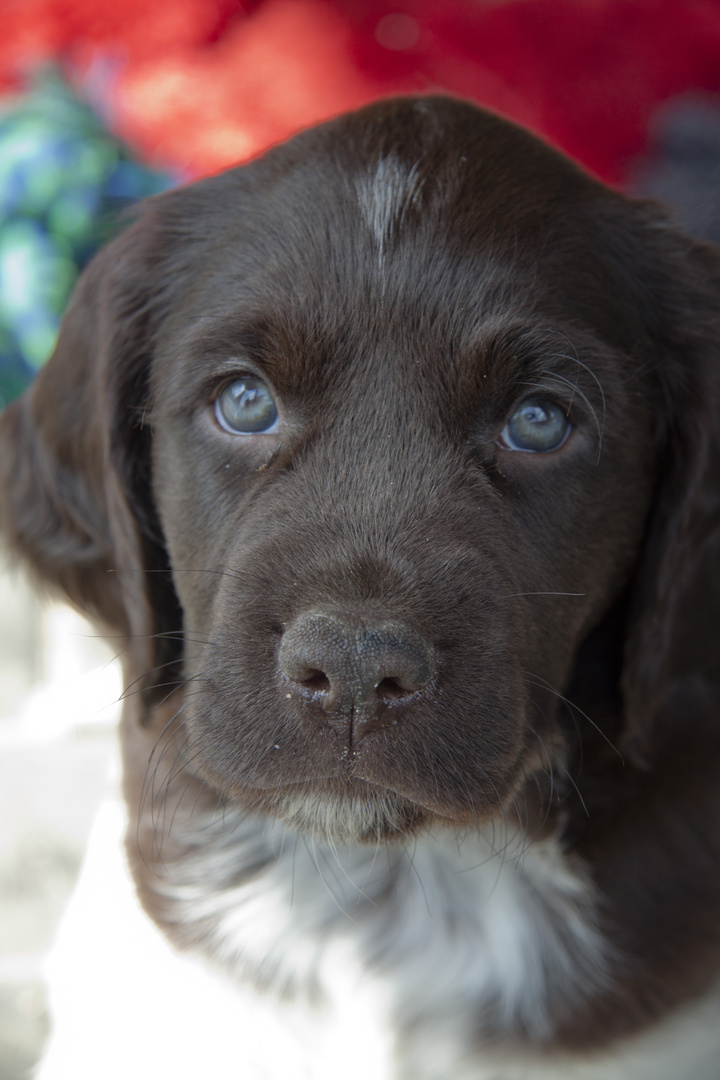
[[591, 408], [574, 358], [157, 667], [551, 771], [569, 776], [240, 575], [313, 856], [128, 693], [511, 596], [543, 685]]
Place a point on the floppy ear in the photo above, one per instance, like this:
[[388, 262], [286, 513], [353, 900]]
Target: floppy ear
[[75, 499], [672, 662]]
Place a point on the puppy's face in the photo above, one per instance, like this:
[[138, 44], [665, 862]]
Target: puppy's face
[[404, 427]]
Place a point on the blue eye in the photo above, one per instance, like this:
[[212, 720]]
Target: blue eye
[[246, 407], [538, 425]]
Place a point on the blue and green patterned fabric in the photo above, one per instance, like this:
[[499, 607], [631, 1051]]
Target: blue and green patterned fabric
[[64, 180]]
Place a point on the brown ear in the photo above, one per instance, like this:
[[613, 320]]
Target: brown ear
[[74, 490], [672, 667]]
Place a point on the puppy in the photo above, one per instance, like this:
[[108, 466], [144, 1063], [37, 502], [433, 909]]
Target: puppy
[[392, 458]]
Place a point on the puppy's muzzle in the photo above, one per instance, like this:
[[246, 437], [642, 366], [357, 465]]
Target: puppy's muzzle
[[347, 663]]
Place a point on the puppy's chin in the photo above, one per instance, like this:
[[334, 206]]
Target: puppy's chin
[[354, 815]]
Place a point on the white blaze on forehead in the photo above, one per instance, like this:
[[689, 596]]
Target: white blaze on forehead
[[386, 196]]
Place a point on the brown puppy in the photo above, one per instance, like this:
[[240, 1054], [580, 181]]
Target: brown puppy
[[394, 458]]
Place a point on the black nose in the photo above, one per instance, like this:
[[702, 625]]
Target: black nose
[[348, 663]]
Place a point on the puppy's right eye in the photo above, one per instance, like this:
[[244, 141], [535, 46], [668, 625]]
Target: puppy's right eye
[[246, 407]]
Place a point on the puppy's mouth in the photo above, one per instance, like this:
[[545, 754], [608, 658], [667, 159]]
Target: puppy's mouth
[[348, 809], [387, 787]]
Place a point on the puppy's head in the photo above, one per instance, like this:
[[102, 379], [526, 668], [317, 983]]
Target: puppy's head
[[378, 445]]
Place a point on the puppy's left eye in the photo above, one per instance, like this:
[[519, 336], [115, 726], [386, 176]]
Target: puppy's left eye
[[538, 425], [246, 407]]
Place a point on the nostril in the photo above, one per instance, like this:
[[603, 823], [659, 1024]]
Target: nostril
[[315, 680], [390, 689], [303, 673]]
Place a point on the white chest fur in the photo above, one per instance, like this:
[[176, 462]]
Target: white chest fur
[[464, 925], [394, 972]]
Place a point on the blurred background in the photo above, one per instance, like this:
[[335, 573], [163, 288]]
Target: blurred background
[[102, 104]]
